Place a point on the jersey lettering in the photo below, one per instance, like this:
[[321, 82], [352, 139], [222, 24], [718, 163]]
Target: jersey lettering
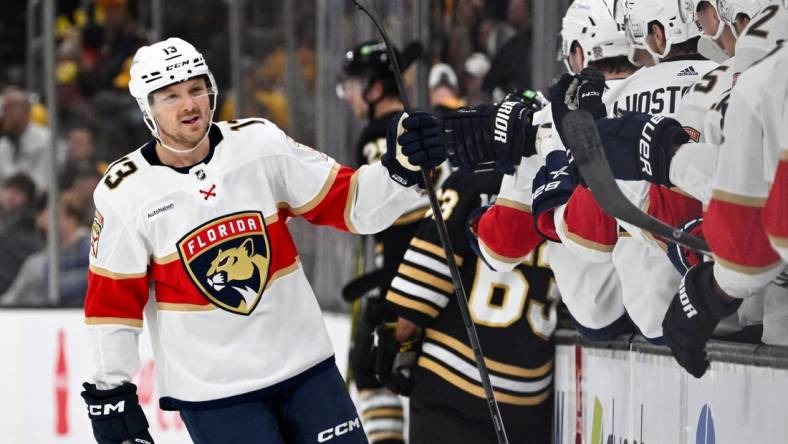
[[651, 102]]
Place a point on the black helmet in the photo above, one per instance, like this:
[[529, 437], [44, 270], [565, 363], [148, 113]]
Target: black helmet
[[370, 61]]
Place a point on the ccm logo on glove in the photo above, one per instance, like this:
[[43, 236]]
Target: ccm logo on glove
[[689, 310], [645, 143], [502, 121], [106, 409]]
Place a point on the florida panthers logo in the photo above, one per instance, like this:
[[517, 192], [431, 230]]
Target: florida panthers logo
[[228, 260]]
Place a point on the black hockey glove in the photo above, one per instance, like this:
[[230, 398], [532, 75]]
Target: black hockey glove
[[413, 142], [394, 362], [684, 258], [489, 137], [638, 146], [580, 91], [116, 415], [553, 186], [589, 92], [692, 317]]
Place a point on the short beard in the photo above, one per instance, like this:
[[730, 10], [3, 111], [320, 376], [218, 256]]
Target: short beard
[[182, 140]]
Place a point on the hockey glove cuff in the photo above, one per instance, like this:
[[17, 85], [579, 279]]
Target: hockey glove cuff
[[413, 142], [638, 146], [684, 258], [692, 317], [589, 93], [116, 415], [553, 186]]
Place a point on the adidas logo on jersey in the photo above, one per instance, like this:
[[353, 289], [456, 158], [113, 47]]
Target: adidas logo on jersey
[[688, 71]]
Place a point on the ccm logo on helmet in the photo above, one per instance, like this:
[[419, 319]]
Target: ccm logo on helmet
[[339, 430], [177, 65], [106, 409]]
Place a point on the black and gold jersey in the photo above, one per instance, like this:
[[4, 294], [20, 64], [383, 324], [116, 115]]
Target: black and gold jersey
[[514, 313]]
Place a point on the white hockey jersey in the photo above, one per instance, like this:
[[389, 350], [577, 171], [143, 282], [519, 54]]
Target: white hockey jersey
[[231, 313], [754, 130], [700, 113]]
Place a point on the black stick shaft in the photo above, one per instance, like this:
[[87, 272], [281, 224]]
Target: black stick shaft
[[443, 232]]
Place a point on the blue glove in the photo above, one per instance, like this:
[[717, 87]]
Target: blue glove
[[412, 143], [589, 92], [116, 415], [553, 186], [638, 146], [488, 136], [692, 317], [682, 257]]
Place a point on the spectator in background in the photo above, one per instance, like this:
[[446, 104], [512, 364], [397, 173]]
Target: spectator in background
[[18, 238], [444, 89], [475, 68], [511, 66], [80, 155], [462, 31], [23, 144], [30, 286]]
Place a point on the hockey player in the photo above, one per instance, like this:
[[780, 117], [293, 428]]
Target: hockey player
[[371, 91], [590, 37], [515, 316], [198, 214], [738, 217]]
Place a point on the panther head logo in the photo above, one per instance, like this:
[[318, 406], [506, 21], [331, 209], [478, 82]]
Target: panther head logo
[[228, 260], [239, 269]]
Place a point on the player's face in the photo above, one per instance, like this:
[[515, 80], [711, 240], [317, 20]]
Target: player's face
[[182, 112], [709, 21], [353, 93]]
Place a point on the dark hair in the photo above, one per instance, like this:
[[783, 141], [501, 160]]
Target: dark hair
[[23, 183], [614, 65], [689, 46]]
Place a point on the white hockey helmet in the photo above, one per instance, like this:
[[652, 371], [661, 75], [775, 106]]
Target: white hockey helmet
[[162, 64], [730, 9], [591, 23], [695, 4], [677, 18]]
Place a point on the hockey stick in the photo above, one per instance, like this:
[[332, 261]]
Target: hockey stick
[[443, 232], [585, 144]]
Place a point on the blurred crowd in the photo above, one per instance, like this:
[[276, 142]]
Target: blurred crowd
[[475, 51]]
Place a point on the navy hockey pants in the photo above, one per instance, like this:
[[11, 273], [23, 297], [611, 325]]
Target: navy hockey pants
[[318, 410]]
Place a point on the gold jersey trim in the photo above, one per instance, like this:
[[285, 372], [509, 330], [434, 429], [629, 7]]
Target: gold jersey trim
[[434, 249], [504, 202], [500, 367], [169, 306], [385, 412], [411, 216], [583, 242], [499, 258], [399, 299], [114, 321], [315, 201], [426, 278], [115, 275], [351, 197], [478, 390], [738, 199]]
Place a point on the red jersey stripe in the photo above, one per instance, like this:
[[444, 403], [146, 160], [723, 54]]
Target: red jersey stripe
[[508, 232], [588, 222], [735, 234]]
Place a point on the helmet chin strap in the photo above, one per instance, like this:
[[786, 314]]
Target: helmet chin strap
[[183, 152]]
